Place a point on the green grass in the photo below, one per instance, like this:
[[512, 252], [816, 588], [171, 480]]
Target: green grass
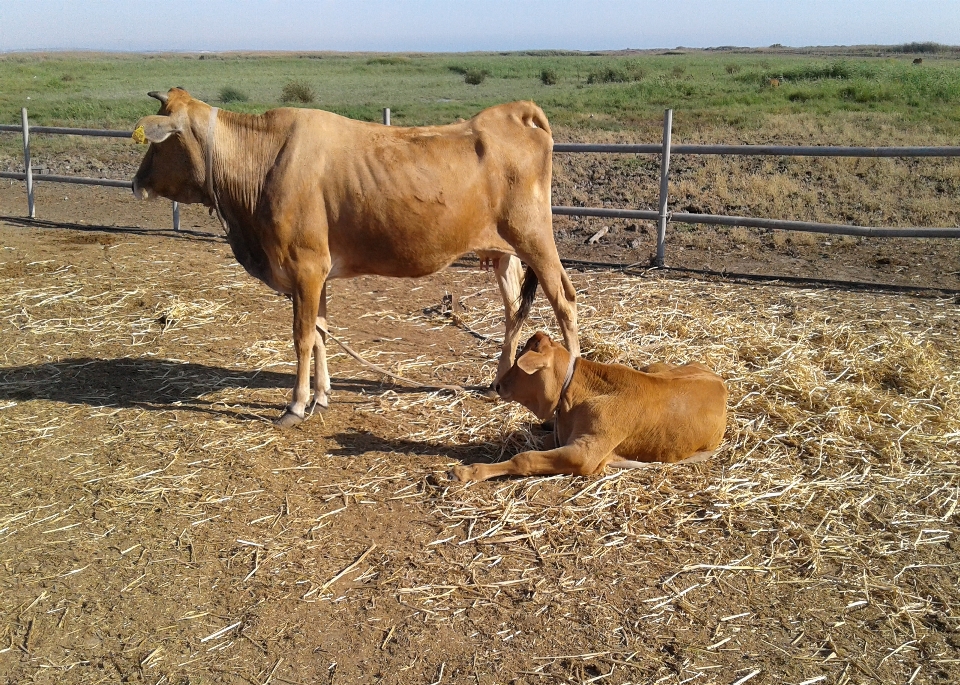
[[598, 91]]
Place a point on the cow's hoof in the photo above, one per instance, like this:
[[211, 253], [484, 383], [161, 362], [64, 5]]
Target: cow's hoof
[[318, 406], [289, 420]]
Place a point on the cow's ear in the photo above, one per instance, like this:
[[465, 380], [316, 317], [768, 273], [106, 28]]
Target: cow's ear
[[531, 362], [154, 129]]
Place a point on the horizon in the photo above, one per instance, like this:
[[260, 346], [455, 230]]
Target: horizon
[[455, 26], [930, 47]]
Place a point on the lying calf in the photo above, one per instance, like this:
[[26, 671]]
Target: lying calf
[[608, 413]]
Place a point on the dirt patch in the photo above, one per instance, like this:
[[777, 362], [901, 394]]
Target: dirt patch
[[156, 527]]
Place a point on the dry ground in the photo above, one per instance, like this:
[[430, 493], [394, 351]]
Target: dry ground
[[155, 527]]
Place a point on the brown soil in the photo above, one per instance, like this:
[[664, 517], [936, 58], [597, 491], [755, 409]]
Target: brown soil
[[147, 504]]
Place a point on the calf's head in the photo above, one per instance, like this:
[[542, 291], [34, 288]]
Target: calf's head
[[536, 378], [174, 166]]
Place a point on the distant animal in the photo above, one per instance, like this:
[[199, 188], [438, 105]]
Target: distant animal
[[918, 60], [774, 83], [608, 414], [307, 195]]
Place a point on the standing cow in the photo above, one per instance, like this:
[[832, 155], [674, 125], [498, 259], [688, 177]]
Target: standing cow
[[306, 195]]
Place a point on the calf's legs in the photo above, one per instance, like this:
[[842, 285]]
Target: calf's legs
[[583, 457]]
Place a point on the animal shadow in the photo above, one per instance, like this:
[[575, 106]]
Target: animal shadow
[[355, 443], [153, 384]]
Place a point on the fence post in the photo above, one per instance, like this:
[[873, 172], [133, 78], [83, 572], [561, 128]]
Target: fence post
[[386, 116], [27, 166], [176, 215], [664, 185]]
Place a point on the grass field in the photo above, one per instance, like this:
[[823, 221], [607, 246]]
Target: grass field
[[600, 91], [842, 96]]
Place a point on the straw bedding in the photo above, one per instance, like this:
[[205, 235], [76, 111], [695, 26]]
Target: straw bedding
[[154, 526]]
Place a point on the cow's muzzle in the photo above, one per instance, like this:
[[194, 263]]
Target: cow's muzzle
[[139, 191]]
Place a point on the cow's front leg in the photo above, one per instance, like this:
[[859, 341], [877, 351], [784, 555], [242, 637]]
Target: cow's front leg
[[321, 377], [306, 306]]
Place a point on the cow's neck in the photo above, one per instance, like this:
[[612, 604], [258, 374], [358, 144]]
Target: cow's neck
[[239, 151], [208, 177]]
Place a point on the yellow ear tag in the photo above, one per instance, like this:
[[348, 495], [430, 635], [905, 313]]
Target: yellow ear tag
[[139, 136]]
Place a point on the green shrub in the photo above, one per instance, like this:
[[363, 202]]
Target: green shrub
[[389, 60], [804, 95], [548, 77], [927, 47], [865, 92], [231, 94], [732, 68], [475, 76], [608, 75], [297, 91]]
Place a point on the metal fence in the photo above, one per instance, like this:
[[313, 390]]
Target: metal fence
[[662, 215], [30, 177]]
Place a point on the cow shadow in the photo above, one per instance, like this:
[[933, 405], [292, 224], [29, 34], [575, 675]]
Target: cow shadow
[[355, 443], [182, 234], [154, 384]]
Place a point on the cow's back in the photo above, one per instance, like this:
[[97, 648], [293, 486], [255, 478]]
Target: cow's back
[[406, 201]]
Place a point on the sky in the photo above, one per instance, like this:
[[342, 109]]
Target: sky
[[458, 25]]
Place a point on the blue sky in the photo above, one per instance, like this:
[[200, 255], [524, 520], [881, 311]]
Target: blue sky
[[457, 25]]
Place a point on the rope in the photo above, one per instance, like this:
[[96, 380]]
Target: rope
[[384, 372]]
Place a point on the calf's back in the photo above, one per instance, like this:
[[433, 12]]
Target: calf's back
[[663, 412]]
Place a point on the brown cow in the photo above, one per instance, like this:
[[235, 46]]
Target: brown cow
[[306, 195], [608, 414]]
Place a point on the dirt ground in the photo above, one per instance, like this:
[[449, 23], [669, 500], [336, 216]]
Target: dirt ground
[[156, 527]]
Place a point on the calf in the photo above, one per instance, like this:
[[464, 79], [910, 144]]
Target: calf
[[608, 413]]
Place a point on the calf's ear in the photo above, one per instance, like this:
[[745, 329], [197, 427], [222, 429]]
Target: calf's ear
[[155, 128], [531, 362]]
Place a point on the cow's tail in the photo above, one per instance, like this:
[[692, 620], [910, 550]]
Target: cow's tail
[[535, 118], [528, 290]]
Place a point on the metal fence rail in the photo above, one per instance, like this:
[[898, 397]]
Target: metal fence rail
[[78, 180], [30, 176], [662, 215], [769, 150]]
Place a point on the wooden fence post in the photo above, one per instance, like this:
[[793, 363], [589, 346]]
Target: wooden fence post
[[27, 166]]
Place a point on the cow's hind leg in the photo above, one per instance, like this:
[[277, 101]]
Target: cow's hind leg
[[558, 288], [529, 230], [306, 306], [321, 377], [509, 272]]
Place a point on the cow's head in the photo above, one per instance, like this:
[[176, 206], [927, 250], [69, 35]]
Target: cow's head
[[534, 380], [174, 166]]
